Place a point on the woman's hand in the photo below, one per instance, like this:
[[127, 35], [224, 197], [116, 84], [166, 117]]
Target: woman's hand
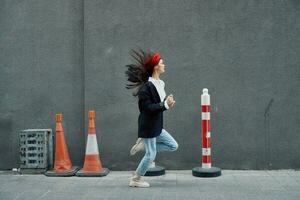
[[173, 104], [170, 101]]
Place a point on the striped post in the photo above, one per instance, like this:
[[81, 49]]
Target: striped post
[[206, 139], [206, 170]]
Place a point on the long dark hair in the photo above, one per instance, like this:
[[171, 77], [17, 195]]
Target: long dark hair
[[138, 72]]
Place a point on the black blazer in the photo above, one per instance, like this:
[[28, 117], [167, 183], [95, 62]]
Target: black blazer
[[150, 122]]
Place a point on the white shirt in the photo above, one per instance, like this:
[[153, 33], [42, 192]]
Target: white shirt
[[160, 87]]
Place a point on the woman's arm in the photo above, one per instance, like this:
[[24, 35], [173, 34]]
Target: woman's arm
[[148, 106]]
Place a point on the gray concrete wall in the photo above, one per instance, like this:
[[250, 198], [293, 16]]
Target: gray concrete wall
[[245, 52], [41, 64]]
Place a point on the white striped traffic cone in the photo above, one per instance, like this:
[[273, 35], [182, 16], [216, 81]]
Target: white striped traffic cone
[[92, 163]]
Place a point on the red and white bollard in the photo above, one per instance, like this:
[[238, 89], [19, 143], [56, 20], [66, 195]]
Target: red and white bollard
[[206, 170], [206, 139]]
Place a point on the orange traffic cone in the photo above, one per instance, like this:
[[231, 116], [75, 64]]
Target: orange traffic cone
[[92, 163], [62, 163]]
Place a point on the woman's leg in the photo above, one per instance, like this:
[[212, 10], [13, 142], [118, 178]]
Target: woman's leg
[[165, 142], [150, 146], [135, 180]]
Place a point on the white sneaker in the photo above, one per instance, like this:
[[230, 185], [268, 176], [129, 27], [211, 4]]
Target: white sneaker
[[139, 146], [152, 165], [137, 182]]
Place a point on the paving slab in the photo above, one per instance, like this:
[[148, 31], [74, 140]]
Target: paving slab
[[176, 184]]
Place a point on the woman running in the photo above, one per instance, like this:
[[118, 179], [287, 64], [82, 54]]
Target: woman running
[[144, 74]]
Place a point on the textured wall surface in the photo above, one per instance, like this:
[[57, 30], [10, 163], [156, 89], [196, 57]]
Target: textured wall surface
[[41, 63], [70, 57]]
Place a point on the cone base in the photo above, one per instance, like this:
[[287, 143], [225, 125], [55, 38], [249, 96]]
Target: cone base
[[155, 171], [82, 173], [66, 173], [206, 173]]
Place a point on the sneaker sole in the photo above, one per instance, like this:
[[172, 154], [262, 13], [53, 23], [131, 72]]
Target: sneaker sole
[[133, 150], [137, 186]]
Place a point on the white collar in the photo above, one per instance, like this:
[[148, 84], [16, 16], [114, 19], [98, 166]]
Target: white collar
[[153, 79]]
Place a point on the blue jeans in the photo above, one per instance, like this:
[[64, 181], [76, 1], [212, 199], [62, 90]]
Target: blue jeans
[[163, 142]]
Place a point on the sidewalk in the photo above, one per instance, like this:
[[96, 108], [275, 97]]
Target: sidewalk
[[181, 185]]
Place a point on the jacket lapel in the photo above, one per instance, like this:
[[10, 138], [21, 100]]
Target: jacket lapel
[[154, 92]]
